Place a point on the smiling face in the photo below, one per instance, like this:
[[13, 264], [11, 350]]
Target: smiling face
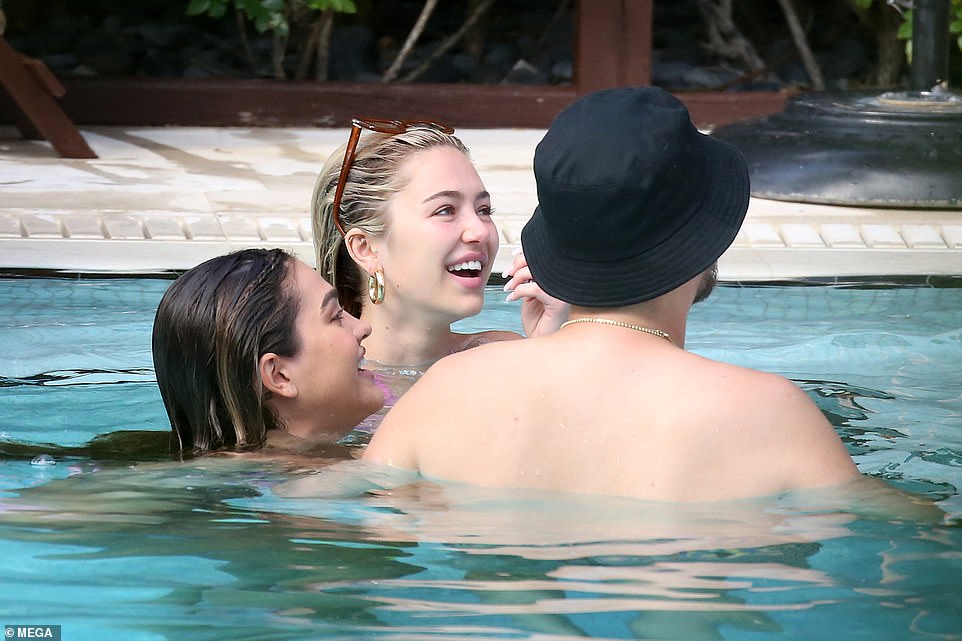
[[333, 393], [440, 244]]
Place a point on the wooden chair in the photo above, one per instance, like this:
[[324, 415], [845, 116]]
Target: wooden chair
[[33, 88]]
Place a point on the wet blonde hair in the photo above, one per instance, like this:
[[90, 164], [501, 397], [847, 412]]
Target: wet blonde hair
[[374, 178]]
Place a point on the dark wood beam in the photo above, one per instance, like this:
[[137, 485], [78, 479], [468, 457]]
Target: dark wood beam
[[613, 44], [711, 109], [270, 103]]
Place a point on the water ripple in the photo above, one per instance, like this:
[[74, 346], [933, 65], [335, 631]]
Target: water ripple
[[61, 378]]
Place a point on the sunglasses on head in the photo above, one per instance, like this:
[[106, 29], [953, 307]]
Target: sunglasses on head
[[392, 127]]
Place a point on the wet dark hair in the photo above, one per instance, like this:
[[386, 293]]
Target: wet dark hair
[[212, 326]]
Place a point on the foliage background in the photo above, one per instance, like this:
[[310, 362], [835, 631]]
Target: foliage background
[[854, 43]]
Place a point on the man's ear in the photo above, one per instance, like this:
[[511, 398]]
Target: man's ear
[[275, 377], [362, 250]]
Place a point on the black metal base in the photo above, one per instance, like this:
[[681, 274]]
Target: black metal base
[[898, 149]]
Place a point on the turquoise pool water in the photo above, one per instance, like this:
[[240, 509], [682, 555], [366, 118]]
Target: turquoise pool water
[[219, 549]]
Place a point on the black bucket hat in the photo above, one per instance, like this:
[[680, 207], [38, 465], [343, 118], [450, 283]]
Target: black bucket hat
[[633, 200]]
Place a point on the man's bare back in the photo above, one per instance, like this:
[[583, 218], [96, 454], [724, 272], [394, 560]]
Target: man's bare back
[[613, 413], [635, 206]]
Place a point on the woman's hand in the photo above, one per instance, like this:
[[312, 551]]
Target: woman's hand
[[541, 313]]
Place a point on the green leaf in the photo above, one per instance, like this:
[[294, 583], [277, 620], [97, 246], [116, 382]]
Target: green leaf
[[261, 23], [863, 4], [341, 6], [955, 26], [250, 8], [197, 7], [279, 24], [213, 8], [217, 9], [905, 29]]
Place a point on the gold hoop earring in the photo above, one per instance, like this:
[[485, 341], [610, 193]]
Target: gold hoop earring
[[375, 287]]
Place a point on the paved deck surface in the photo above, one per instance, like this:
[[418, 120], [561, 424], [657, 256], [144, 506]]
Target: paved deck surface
[[160, 199]]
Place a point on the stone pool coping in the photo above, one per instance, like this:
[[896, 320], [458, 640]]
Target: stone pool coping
[[161, 199]]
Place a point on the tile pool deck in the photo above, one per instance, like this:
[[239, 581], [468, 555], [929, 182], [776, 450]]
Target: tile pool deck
[[161, 199]]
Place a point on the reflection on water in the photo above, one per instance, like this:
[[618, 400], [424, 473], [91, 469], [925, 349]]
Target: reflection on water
[[840, 401], [81, 377], [220, 549], [113, 547]]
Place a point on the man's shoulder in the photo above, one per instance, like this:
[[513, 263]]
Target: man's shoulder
[[767, 402], [470, 341], [736, 376], [748, 393], [461, 370], [489, 349], [451, 396]]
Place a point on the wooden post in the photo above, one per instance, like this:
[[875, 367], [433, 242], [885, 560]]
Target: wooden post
[[613, 44], [33, 88]]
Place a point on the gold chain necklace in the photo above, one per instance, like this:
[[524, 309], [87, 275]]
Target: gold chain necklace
[[606, 321]]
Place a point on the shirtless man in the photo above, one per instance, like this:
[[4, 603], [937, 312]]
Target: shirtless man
[[635, 208]]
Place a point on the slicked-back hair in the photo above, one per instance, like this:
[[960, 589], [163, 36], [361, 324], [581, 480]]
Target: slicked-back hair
[[374, 178], [211, 328]]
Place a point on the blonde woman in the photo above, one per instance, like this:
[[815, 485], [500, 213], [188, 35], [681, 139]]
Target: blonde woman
[[403, 230]]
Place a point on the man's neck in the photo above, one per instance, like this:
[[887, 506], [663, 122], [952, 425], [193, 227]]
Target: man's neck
[[667, 313]]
